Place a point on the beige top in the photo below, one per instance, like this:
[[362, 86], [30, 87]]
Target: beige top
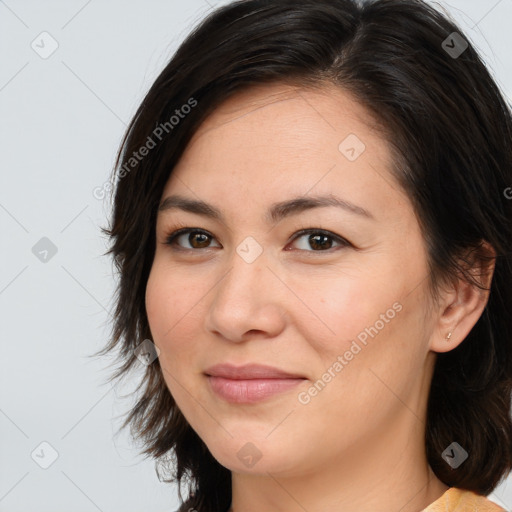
[[461, 500], [453, 500]]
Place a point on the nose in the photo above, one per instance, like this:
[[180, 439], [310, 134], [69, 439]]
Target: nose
[[247, 301]]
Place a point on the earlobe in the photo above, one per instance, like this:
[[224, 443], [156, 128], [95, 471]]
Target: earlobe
[[463, 304], [459, 317]]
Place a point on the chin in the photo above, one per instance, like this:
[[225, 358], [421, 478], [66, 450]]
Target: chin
[[254, 454]]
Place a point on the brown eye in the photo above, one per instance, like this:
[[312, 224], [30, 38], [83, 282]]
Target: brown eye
[[201, 239], [319, 240], [197, 239]]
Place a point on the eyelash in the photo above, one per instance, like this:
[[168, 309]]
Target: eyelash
[[172, 237]]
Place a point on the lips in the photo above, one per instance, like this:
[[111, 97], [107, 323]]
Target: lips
[[249, 371], [250, 383]]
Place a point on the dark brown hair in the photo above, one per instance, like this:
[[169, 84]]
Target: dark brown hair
[[450, 131]]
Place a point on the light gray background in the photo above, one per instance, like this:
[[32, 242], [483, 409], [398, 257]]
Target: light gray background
[[62, 118]]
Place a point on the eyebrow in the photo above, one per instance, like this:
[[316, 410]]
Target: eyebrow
[[276, 212]]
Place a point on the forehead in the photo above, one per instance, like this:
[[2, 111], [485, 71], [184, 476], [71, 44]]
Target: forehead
[[313, 108], [275, 140]]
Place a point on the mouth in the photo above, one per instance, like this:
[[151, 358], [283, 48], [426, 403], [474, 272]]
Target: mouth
[[250, 383]]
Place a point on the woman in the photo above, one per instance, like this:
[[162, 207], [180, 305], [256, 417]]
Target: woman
[[313, 234]]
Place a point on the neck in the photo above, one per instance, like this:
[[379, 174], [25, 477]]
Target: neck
[[387, 475]]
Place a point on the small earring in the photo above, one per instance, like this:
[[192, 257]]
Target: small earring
[[449, 336]]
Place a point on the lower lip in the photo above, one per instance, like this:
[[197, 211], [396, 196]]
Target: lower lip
[[250, 390]]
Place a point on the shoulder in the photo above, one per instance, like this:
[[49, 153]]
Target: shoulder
[[462, 500]]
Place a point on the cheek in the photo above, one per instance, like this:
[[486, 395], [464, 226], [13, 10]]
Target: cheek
[[173, 308], [370, 318], [165, 306], [168, 308], [380, 336], [335, 311], [159, 303]]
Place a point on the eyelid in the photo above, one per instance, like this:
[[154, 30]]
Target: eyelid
[[175, 234], [183, 229], [343, 242]]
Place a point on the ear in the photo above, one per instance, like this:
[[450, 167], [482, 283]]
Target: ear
[[461, 303]]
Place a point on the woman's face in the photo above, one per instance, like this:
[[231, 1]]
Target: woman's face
[[343, 308]]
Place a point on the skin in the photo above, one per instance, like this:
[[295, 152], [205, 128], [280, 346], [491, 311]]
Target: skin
[[298, 306]]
